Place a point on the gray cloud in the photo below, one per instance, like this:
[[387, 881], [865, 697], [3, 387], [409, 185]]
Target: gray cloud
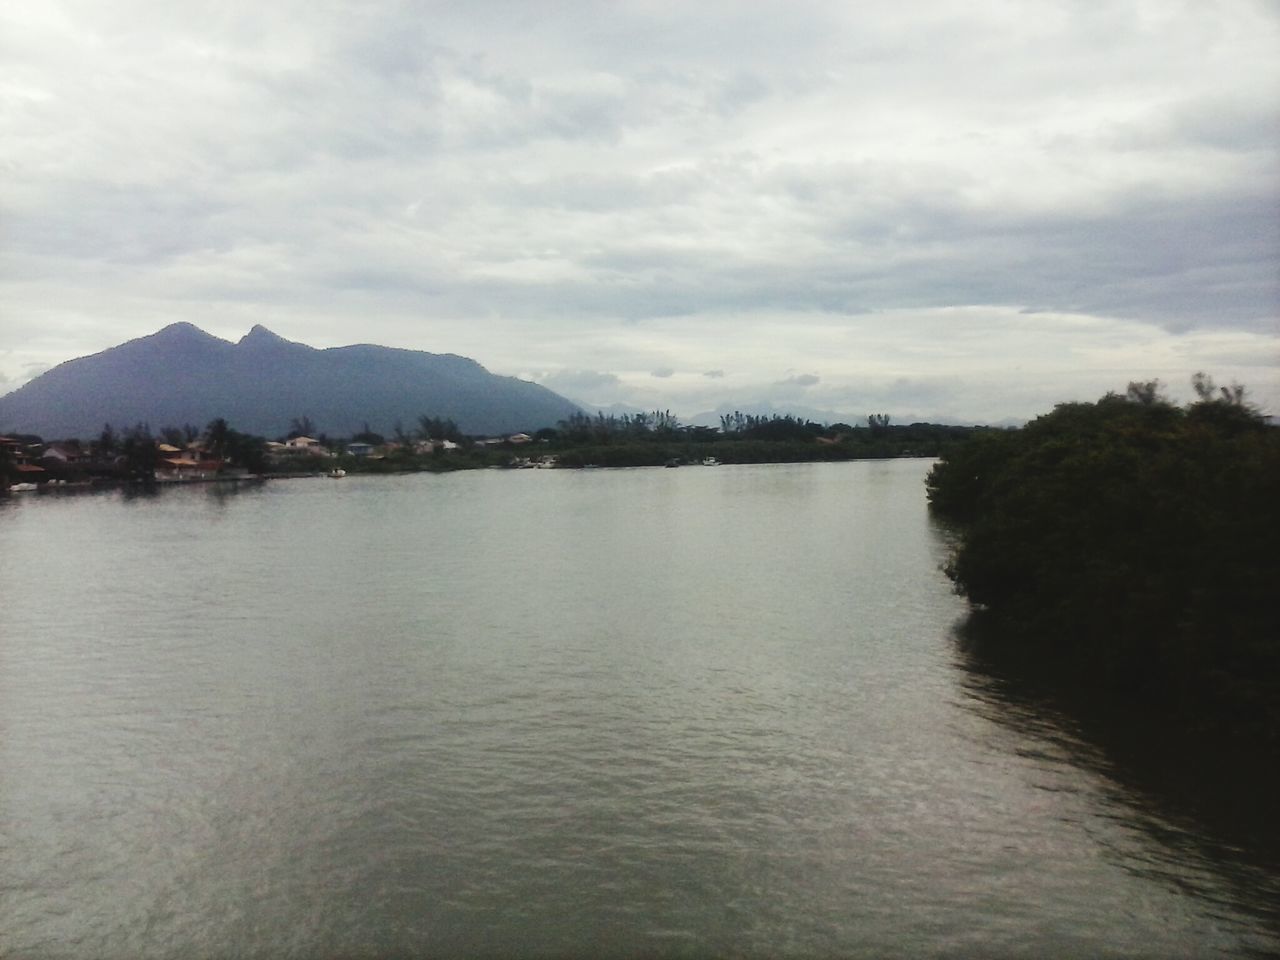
[[579, 382], [622, 189], [801, 380]]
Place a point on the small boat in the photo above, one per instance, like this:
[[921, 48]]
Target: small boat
[[710, 462], [337, 473]]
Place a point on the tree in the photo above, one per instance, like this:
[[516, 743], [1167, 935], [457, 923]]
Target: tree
[[1146, 393], [245, 450], [138, 448], [733, 423], [216, 437], [1206, 390], [368, 436], [107, 442], [436, 429], [1130, 541], [301, 427]]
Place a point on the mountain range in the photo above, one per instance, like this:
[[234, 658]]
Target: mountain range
[[260, 384]]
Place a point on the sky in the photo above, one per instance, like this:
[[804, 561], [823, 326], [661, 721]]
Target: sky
[[938, 210]]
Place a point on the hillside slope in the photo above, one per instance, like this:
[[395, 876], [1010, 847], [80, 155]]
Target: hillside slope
[[183, 375]]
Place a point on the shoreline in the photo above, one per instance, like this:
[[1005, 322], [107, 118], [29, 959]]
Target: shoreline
[[54, 487]]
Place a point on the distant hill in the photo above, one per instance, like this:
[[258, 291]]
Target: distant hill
[[183, 375]]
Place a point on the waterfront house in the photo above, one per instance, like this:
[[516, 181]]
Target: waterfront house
[[22, 456], [66, 453], [187, 465], [24, 473]]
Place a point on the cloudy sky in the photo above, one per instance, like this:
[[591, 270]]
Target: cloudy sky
[[943, 210]]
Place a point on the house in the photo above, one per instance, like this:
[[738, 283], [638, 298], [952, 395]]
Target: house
[[20, 452], [25, 474], [431, 446], [20, 472], [186, 465], [66, 453], [360, 449], [296, 447]]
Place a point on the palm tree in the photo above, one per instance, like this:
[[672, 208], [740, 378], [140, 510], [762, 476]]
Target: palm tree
[[107, 442], [216, 433]]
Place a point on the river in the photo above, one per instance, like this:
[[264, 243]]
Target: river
[[706, 711]]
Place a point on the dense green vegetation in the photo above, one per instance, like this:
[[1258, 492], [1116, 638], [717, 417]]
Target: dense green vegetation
[[649, 439], [1130, 545]]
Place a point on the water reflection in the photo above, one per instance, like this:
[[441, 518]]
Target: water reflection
[[1194, 816], [629, 713]]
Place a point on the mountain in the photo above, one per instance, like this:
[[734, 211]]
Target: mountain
[[183, 375]]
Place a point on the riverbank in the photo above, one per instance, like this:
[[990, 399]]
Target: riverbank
[[651, 453], [613, 456]]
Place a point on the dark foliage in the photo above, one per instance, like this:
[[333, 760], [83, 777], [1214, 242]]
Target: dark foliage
[[1131, 543], [245, 450], [369, 436], [653, 438], [439, 428], [139, 455]]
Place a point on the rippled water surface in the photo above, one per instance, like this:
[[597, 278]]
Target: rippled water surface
[[706, 711]]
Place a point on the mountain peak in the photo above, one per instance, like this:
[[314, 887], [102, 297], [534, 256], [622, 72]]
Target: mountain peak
[[260, 336], [182, 330], [177, 338]]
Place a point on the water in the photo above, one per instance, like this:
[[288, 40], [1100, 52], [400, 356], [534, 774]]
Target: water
[[707, 711]]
